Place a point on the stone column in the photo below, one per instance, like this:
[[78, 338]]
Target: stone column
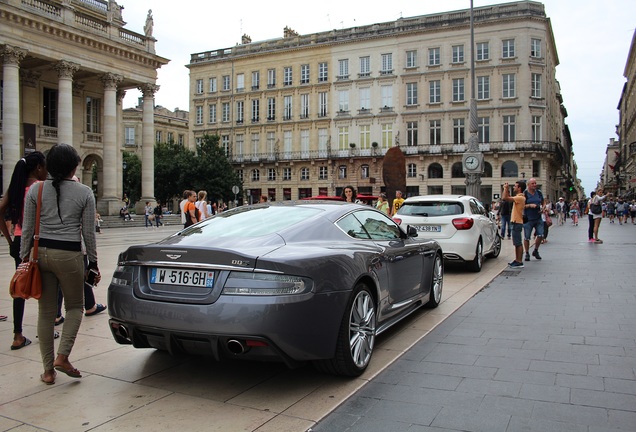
[[148, 144], [110, 201], [120, 142], [11, 56], [65, 71]]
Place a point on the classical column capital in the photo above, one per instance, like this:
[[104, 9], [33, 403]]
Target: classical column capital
[[78, 88], [121, 94], [110, 80], [12, 55], [149, 89], [66, 69], [29, 78]]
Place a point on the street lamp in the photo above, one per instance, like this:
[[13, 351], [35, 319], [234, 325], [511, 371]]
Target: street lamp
[[473, 159], [123, 179]]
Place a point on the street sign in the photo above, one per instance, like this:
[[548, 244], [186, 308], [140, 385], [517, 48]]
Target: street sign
[[235, 190]]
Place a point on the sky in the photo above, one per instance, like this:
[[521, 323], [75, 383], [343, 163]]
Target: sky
[[592, 39]]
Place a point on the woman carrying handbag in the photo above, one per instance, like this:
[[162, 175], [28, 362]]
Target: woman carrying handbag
[[28, 170], [67, 215]]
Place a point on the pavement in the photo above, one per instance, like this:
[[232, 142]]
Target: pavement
[[550, 347], [547, 347]]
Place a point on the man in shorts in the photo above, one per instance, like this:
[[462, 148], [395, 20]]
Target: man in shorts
[[516, 218], [533, 209]]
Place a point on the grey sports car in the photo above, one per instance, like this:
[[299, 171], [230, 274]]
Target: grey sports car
[[294, 281]]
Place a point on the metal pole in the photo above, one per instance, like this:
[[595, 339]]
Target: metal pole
[[473, 179]]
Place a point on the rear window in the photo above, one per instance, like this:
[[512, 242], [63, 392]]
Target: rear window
[[248, 221], [431, 208]]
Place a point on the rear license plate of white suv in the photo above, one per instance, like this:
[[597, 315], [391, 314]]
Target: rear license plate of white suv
[[429, 228]]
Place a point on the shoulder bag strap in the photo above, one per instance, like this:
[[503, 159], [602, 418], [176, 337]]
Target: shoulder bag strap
[[36, 235]]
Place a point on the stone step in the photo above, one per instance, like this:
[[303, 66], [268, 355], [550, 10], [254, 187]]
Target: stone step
[[138, 221]]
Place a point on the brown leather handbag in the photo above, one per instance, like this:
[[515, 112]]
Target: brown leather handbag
[[26, 283]]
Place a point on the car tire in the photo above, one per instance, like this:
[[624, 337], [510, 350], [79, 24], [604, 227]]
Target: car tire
[[496, 247], [437, 283], [356, 337], [476, 264]]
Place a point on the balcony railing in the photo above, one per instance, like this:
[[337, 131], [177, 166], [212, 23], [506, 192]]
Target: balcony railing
[[442, 149]]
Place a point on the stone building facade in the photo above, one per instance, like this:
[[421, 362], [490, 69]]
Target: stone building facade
[[620, 177], [306, 115], [66, 65]]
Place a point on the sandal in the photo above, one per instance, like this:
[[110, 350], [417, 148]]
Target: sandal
[[25, 342]]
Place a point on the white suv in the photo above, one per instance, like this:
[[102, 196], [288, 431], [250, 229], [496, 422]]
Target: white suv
[[459, 223]]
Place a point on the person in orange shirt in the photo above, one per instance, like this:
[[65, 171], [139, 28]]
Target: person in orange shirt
[[190, 210], [516, 219]]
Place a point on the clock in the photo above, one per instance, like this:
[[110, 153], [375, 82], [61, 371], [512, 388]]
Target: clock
[[471, 163]]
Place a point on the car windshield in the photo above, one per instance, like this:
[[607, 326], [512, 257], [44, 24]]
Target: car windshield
[[252, 221], [431, 208]]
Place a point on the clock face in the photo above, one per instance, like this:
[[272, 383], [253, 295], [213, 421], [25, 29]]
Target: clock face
[[472, 162]]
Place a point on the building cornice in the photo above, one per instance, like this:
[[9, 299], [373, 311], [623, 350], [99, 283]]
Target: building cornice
[[440, 22], [78, 38]]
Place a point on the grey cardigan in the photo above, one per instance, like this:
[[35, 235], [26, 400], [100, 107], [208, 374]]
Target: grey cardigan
[[77, 208]]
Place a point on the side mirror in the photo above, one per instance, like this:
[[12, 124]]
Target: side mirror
[[411, 231]]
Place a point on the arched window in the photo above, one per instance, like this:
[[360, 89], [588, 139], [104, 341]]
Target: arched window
[[487, 169], [342, 172], [411, 170], [364, 171], [509, 169], [435, 170], [457, 171]]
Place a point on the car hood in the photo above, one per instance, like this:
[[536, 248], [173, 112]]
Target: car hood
[[193, 249]]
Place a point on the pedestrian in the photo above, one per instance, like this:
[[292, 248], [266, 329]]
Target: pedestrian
[[397, 202], [148, 215], [632, 211], [505, 208], [547, 220], [202, 205], [611, 209], [533, 210], [67, 215], [29, 170], [597, 212], [190, 210], [98, 223], [382, 204], [574, 212], [158, 212], [349, 194], [621, 214], [590, 218], [186, 194], [560, 210], [518, 201]]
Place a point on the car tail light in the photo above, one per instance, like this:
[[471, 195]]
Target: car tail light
[[397, 221], [265, 284], [463, 223]]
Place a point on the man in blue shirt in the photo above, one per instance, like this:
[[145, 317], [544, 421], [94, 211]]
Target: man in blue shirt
[[533, 210]]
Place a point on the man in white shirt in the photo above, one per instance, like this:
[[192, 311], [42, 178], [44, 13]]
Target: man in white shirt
[[186, 194]]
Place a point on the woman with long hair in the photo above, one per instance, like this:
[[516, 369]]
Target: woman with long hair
[[67, 215], [28, 170]]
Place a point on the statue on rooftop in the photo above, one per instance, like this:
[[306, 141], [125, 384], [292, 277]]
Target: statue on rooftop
[[149, 24]]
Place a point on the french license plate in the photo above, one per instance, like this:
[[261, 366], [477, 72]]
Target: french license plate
[[429, 228], [168, 276]]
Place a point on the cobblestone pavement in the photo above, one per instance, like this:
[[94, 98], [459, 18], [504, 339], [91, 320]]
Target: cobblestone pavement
[[550, 347]]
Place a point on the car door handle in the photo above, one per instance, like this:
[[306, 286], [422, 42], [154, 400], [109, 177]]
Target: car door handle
[[428, 253]]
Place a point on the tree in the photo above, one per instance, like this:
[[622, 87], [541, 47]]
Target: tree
[[132, 176], [172, 168], [215, 173], [177, 169]]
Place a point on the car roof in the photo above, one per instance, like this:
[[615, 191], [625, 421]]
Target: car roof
[[438, 198]]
